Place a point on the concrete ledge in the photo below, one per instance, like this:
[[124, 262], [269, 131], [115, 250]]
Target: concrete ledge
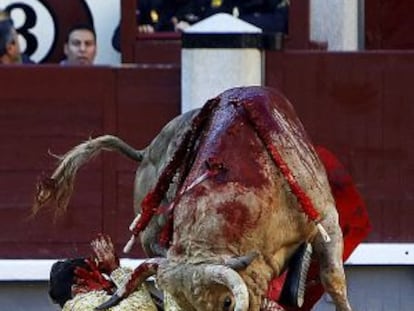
[[268, 41], [383, 254], [38, 269], [366, 254]]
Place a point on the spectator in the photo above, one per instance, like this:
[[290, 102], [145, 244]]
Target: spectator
[[269, 15], [82, 284], [177, 15], [10, 52], [147, 16], [80, 47]]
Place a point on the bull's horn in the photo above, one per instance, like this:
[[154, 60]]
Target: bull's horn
[[233, 281], [241, 262], [114, 300], [140, 274]]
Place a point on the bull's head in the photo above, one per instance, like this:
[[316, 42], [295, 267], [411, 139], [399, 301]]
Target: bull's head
[[205, 287], [201, 287]]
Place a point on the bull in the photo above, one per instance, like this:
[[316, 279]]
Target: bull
[[225, 196]]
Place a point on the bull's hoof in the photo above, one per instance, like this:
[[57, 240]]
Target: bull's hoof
[[115, 299]]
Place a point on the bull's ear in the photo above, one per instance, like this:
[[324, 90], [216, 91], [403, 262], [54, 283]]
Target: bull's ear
[[241, 262]]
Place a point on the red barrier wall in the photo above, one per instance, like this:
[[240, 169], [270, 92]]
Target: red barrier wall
[[359, 105], [52, 108], [389, 24]]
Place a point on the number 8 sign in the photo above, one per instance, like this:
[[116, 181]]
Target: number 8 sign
[[35, 24], [43, 25]]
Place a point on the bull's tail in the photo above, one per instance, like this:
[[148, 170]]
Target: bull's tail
[[58, 188]]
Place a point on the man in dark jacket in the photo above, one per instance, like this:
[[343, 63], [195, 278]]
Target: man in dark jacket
[[176, 15], [269, 15]]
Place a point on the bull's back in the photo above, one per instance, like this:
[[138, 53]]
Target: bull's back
[[248, 202]]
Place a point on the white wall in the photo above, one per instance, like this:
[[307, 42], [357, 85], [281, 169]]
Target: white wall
[[335, 22], [106, 16]]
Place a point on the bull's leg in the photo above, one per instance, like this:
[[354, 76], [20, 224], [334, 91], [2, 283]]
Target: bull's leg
[[281, 135], [331, 266]]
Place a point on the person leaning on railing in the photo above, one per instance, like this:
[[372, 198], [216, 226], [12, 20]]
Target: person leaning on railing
[[269, 15], [147, 15], [177, 15]]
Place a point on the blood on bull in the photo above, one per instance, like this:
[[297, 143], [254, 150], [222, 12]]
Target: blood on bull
[[225, 196]]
